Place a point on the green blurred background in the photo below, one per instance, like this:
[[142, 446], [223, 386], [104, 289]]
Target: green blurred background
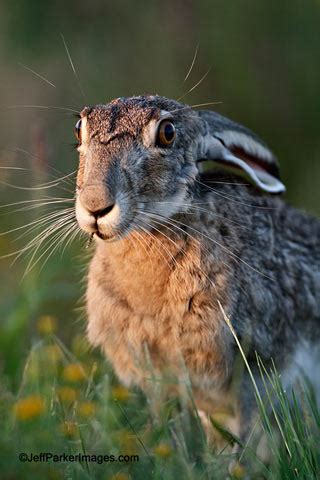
[[263, 58]]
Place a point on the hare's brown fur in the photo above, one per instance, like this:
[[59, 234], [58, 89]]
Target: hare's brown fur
[[138, 298], [181, 245]]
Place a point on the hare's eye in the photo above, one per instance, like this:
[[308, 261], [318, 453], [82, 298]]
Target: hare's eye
[[166, 134], [77, 130]]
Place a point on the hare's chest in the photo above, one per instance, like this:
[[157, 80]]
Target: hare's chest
[[142, 346], [161, 316], [185, 332]]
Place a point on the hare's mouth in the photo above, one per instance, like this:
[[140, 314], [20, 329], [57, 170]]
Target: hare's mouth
[[108, 224], [106, 238]]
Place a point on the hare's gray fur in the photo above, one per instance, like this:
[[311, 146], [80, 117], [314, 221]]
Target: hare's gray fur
[[182, 241]]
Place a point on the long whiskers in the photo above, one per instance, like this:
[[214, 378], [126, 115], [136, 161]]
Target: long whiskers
[[142, 241], [195, 86], [182, 250], [37, 75], [188, 107], [56, 235], [192, 64], [231, 198], [195, 207], [60, 217], [65, 177], [35, 222], [162, 245], [73, 67], [174, 222], [44, 107], [36, 205]]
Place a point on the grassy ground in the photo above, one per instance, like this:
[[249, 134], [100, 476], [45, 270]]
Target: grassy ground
[[68, 401]]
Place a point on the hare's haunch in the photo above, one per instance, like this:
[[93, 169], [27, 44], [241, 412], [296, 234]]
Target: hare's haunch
[[185, 211]]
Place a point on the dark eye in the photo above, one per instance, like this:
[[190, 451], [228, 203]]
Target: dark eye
[[77, 130], [166, 134]]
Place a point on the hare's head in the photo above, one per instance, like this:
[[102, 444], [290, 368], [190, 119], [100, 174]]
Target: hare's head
[[134, 156], [141, 155]]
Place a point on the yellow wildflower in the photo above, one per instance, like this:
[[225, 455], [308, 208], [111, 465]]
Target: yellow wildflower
[[120, 476], [69, 429], [74, 372], [120, 393], [67, 394], [87, 409], [47, 325], [127, 442], [163, 450], [237, 470], [29, 408]]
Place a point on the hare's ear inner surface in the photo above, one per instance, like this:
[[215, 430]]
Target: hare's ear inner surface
[[242, 155]]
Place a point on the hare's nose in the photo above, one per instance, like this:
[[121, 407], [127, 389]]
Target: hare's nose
[[103, 211], [96, 200]]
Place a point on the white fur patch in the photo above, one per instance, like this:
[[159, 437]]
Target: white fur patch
[[84, 136], [305, 363]]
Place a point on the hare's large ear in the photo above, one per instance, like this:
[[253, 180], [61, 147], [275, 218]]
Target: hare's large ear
[[241, 153]]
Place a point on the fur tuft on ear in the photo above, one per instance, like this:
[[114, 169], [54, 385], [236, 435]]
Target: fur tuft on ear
[[234, 148]]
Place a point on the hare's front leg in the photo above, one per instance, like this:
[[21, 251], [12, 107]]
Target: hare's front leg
[[221, 421]]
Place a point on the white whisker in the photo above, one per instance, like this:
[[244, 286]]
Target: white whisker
[[192, 64], [195, 86], [184, 251], [194, 206], [37, 74], [231, 198], [159, 241], [54, 169], [38, 205], [55, 236], [227, 250], [45, 107], [72, 66], [35, 200], [34, 222]]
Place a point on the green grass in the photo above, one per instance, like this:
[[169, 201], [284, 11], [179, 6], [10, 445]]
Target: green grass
[[70, 401]]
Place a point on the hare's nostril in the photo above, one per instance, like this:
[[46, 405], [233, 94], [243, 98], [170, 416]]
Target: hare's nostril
[[103, 211]]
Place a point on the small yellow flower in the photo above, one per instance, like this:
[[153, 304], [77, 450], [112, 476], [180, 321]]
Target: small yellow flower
[[163, 450], [237, 470], [47, 325], [120, 476], [74, 372], [87, 409], [29, 408], [127, 442], [69, 429], [120, 393], [67, 395]]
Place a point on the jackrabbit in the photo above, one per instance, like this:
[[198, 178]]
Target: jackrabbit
[[185, 209]]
